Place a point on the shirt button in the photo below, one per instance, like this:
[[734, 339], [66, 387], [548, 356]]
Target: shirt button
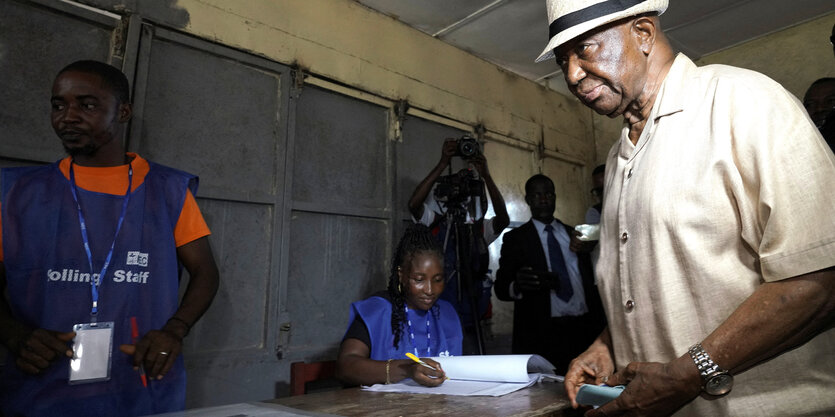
[[624, 237], [629, 174], [630, 305]]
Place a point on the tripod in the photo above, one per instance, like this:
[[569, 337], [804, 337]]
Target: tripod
[[467, 290]]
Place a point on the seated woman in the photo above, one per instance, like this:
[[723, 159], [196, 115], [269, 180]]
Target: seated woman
[[408, 317]]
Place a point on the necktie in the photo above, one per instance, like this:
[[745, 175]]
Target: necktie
[[558, 265]]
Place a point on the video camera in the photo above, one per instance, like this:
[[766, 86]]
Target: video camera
[[467, 147], [456, 189]]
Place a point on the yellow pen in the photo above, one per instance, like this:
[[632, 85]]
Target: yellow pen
[[416, 359]]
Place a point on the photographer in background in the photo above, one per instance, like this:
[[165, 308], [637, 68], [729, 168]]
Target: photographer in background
[[455, 204]]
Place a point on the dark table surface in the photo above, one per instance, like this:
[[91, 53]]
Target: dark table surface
[[545, 398]]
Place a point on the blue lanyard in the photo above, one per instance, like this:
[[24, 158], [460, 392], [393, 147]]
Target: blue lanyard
[[95, 282], [412, 334]]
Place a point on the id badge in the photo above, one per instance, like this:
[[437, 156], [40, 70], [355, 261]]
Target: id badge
[[92, 347]]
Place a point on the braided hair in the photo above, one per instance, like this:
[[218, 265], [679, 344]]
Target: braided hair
[[417, 239]]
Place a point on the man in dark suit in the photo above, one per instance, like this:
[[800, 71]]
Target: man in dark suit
[[557, 309]]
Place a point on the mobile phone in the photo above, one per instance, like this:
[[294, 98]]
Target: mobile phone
[[597, 395]]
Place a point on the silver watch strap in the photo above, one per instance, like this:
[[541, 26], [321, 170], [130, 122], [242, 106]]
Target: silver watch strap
[[703, 361]]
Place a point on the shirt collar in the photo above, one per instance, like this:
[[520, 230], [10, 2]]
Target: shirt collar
[[669, 100], [140, 167], [672, 95], [540, 227]]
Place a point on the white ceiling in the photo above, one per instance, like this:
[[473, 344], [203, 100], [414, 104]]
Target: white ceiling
[[512, 33]]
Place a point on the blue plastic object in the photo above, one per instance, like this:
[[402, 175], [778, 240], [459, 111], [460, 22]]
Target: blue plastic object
[[597, 395]]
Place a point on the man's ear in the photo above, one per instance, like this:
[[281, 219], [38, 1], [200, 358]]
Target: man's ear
[[644, 29], [125, 112]]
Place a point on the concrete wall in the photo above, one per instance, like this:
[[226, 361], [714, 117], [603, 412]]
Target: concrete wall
[[794, 57], [345, 42]]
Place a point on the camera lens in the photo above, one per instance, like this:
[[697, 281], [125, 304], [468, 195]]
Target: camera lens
[[468, 147]]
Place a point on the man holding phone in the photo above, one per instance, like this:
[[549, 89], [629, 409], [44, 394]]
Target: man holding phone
[[557, 309]]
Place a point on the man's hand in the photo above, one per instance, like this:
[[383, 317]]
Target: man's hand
[[652, 389], [41, 348], [421, 192], [448, 150], [594, 366], [479, 163], [579, 246], [156, 351], [528, 280]]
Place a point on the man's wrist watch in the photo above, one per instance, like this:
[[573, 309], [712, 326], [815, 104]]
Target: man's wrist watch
[[715, 380]]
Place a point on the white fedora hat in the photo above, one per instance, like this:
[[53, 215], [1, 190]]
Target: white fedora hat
[[569, 19]]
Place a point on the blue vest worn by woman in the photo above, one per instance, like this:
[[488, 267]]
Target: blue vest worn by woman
[[445, 328], [49, 284]]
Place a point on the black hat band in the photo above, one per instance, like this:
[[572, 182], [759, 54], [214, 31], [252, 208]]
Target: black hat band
[[589, 13]]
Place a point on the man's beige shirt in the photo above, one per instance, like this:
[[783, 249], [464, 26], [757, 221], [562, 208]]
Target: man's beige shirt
[[730, 185]]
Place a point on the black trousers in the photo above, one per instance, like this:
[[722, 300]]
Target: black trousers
[[561, 339]]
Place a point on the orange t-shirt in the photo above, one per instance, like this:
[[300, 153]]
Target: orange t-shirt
[[114, 180]]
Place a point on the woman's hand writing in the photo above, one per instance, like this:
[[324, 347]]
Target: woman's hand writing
[[426, 376]]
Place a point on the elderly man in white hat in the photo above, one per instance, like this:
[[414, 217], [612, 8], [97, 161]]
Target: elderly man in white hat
[[717, 252]]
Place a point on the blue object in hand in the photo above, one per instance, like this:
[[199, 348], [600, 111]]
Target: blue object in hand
[[598, 395]]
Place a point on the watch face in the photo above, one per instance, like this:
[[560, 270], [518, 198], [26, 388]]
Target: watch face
[[719, 384]]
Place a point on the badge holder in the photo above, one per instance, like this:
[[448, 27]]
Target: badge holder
[[92, 349], [93, 343]]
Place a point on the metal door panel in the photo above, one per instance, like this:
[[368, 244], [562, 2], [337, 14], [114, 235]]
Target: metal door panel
[[340, 152], [215, 383], [35, 43], [212, 115], [334, 261], [237, 320]]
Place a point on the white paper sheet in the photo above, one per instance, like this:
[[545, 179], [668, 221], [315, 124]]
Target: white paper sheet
[[496, 368], [487, 375]]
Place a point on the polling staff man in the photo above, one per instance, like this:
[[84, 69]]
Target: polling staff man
[[716, 268], [91, 250]]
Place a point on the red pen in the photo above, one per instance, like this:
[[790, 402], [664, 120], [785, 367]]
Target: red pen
[[134, 334]]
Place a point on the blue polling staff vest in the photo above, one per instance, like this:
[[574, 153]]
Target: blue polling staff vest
[[376, 313], [49, 284]]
